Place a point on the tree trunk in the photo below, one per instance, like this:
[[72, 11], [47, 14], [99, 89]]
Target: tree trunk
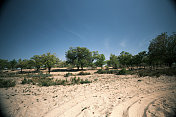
[[77, 67], [49, 69], [21, 70]]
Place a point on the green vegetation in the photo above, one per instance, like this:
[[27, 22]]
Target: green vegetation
[[83, 73], [68, 74], [156, 72], [100, 71], [122, 72], [113, 62], [49, 60], [7, 83], [161, 55], [79, 81], [98, 59], [79, 57]]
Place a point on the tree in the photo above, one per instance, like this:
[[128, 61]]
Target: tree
[[79, 57], [162, 49], [3, 64], [22, 64], [113, 62], [125, 58], [49, 60], [37, 60], [13, 64], [139, 59], [99, 59]]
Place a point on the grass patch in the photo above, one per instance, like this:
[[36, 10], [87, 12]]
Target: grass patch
[[7, 83]]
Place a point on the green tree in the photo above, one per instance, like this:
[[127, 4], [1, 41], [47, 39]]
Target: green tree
[[99, 60], [38, 61], [113, 62], [49, 60], [79, 57], [13, 64], [125, 58], [162, 49], [139, 59], [22, 64], [3, 64]]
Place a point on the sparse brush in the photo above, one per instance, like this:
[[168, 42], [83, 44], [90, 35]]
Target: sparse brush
[[7, 83], [85, 81], [68, 74], [100, 71]]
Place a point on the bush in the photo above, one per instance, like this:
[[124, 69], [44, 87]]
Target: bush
[[7, 83], [27, 81], [68, 74], [83, 73], [75, 81], [78, 81], [100, 71], [157, 72], [85, 81], [122, 72], [60, 82]]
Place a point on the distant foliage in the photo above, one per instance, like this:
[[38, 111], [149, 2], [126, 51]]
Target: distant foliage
[[162, 49]]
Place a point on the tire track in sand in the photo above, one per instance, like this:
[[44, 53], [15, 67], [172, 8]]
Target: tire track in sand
[[137, 106]]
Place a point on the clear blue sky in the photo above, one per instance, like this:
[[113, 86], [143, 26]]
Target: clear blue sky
[[33, 27]]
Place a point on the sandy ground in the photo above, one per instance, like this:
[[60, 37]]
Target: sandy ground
[[109, 96]]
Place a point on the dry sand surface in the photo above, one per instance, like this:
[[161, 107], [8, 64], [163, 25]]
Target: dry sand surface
[[109, 96]]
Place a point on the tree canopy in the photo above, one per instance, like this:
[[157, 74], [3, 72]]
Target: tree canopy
[[79, 57]]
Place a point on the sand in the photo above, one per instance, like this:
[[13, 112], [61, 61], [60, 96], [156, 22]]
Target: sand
[[109, 96]]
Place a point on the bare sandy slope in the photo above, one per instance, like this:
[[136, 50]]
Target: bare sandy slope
[[110, 95]]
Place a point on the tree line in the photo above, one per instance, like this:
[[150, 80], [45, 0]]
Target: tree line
[[161, 51]]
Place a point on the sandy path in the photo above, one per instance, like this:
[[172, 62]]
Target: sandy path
[[111, 95]]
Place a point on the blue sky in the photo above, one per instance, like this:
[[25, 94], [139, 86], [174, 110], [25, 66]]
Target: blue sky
[[34, 27]]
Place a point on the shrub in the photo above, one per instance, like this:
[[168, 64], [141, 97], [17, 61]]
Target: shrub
[[78, 81], [7, 83], [157, 72], [85, 81], [83, 73], [75, 81], [122, 72], [100, 71], [45, 82], [68, 74], [60, 82], [27, 81]]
